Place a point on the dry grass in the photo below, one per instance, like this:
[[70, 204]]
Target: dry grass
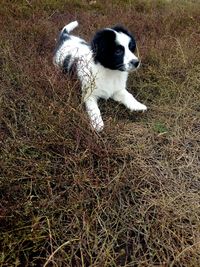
[[127, 197]]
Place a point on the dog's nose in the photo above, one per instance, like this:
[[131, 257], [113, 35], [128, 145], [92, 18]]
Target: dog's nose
[[135, 63]]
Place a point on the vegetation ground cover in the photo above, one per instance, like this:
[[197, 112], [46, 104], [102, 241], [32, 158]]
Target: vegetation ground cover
[[128, 196]]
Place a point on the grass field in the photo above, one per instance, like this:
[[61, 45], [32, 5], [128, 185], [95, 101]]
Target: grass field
[[129, 196]]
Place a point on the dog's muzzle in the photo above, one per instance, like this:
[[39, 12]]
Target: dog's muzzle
[[131, 66], [134, 63]]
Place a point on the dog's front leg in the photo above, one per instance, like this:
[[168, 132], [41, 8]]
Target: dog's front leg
[[94, 113], [128, 100]]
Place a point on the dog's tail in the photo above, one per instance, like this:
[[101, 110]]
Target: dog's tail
[[64, 35], [69, 27]]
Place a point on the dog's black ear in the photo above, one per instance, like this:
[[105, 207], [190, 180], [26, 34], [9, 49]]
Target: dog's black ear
[[120, 28], [102, 42]]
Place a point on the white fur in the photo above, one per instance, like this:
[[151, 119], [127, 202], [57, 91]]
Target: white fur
[[123, 39], [96, 80]]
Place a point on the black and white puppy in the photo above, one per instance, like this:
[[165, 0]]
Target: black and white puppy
[[101, 66]]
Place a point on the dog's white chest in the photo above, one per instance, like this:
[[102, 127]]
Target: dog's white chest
[[108, 82]]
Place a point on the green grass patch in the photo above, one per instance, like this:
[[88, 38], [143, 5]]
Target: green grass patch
[[160, 128]]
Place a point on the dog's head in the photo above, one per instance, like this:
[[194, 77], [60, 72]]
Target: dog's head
[[114, 49]]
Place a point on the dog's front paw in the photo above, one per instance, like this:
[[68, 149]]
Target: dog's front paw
[[137, 106], [97, 124]]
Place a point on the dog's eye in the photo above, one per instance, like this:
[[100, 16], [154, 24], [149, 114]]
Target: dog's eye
[[119, 50], [132, 46]]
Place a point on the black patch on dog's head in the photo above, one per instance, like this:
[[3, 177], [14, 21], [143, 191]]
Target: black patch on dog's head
[[107, 51], [132, 44], [104, 46]]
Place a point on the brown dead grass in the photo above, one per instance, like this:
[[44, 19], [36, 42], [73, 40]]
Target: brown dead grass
[[126, 197]]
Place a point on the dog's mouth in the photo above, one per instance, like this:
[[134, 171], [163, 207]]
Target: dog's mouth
[[121, 67], [129, 67]]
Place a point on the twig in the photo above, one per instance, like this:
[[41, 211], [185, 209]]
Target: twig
[[29, 3], [183, 251], [64, 244]]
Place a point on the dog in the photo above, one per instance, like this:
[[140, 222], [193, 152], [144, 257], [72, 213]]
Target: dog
[[101, 66]]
